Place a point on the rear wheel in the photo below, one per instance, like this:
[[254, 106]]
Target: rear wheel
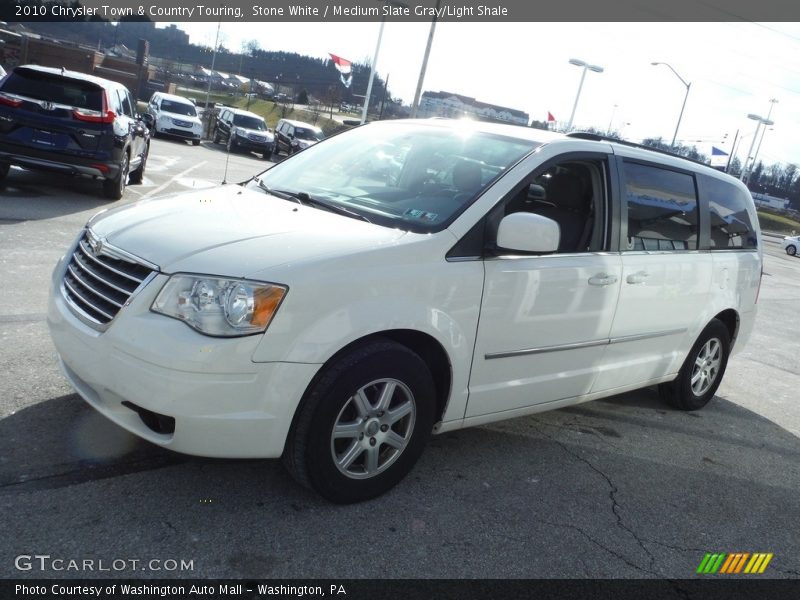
[[4, 169], [791, 250], [138, 175], [363, 423], [702, 371], [115, 188]]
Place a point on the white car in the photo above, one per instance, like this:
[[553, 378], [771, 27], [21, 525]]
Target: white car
[[791, 243], [334, 317], [175, 116]]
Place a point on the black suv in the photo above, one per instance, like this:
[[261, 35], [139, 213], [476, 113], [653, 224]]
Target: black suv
[[293, 136], [69, 122], [241, 129]]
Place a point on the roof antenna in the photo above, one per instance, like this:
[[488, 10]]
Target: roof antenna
[[227, 158]]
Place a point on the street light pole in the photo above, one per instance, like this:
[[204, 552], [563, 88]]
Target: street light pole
[[586, 67], [772, 103], [685, 98], [745, 178]]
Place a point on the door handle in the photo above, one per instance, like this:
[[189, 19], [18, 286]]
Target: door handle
[[638, 277], [602, 279]]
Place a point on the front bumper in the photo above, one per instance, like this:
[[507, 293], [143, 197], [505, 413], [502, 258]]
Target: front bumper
[[248, 144], [222, 403]]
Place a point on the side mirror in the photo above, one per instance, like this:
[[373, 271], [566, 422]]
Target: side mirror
[[528, 232]]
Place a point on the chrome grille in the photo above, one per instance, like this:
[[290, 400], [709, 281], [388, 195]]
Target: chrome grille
[[97, 284]]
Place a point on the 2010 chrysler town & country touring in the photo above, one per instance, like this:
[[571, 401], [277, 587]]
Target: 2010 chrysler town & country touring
[[402, 278]]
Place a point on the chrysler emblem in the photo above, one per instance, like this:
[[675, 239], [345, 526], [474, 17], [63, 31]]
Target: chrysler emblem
[[96, 244], [48, 105]]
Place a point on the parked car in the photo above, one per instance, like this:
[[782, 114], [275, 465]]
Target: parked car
[[239, 129], [293, 136], [336, 319], [174, 116], [69, 122], [791, 243]]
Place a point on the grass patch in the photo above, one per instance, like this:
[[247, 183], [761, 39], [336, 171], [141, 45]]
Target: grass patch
[[777, 223]]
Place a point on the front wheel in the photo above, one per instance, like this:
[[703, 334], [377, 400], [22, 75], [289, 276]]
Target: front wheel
[[791, 250], [702, 371], [363, 423]]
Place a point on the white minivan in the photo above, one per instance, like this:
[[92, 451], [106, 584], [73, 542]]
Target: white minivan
[[403, 278]]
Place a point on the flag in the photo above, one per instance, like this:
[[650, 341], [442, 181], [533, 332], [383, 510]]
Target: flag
[[550, 117], [718, 157], [344, 67]]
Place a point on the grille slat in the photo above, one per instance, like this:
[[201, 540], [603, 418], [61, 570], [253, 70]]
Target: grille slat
[[97, 285], [89, 254], [92, 289]]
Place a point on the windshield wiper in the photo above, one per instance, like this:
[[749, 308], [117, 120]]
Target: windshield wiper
[[304, 198], [334, 208], [285, 194]]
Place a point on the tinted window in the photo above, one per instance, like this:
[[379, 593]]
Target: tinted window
[[54, 88], [729, 221], [179, 108], [249, 122], [308, 134], [125, 103], [662, 209]]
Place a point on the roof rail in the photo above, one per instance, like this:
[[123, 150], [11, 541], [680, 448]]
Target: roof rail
[[596, 137]]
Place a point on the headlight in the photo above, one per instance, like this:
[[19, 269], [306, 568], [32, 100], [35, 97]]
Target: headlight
[[220, 306]]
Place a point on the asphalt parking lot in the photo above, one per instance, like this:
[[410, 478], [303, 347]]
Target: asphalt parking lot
[[623, 487]]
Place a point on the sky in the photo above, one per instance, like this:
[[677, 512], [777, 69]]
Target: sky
[[734, 69]]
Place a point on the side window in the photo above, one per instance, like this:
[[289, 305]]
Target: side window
[[125, 103], [662, 208], [573, 194], [113, 99], [729, 221]]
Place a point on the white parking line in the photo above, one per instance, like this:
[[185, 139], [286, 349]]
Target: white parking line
[[172, 180]]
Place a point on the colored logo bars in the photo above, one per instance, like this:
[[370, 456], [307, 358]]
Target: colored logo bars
[[734, 563]]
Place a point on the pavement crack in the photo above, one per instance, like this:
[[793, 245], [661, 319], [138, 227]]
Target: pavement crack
[[612, 494], [598, 544]]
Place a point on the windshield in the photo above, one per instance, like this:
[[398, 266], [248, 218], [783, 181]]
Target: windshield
[[179, 108], [308, 134], [249, 122], [412, 176]]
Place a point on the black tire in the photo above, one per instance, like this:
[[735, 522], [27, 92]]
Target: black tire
[[195, 142], [137, 176], [267, 155], [115, 188], [216, 136], [713, 344], [4, 169], [791, 250], [379, 366], [276, 152]]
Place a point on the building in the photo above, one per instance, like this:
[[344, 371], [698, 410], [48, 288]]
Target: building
[[447, 104]]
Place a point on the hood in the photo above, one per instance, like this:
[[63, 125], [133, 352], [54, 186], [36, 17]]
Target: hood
[[233, 231]]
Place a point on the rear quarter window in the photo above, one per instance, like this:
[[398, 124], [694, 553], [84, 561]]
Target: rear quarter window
[[730, 225], [54, 88]]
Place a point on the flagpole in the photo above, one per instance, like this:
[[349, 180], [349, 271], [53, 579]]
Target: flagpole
[[415, 105], [372, 73]]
